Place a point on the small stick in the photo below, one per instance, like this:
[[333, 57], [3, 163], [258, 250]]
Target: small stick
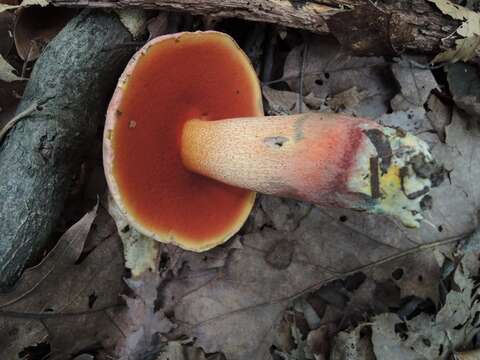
[[13, 121]]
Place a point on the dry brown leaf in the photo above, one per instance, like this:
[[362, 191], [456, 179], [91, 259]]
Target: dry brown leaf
[[464, 85], [439, 115], [413, 120], [158, 25], [408, 108], [468, 355], [65, 283], [352, 346], [281, 102], [134, 19], [24, 3], [143, 323], [415, 83], [7, 71], [348, 99], [426, 336], [465, 48], [179, 350], [319, 342], [36, 26], [329, 70], [6, 31]]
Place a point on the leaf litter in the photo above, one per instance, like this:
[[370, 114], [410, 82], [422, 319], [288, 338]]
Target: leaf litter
[[338, 272], [68, 299], [467, 46]]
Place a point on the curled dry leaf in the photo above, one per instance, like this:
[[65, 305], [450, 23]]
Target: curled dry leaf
[[12, 5], [158, 25], [135, 20], [469, 30], [348, 99], [10, 92], [6, 31], [439, 115], [7, 71], [35, 26], [281, 102]]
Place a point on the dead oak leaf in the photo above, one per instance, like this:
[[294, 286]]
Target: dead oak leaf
[[329, 70], [415, 83], [281, 102], [426, 336], [234, 309], [65, 283]]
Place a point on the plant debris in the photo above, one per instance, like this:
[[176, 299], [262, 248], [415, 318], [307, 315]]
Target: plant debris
[[7, 71], [469, 30]]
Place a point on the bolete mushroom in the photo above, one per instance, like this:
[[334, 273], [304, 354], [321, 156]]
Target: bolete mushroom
[[186, 147]]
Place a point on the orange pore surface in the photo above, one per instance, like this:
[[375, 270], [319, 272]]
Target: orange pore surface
[[196, 75]]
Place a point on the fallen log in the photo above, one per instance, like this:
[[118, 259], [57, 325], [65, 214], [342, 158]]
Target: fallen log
[[366, 27], [63, 105]]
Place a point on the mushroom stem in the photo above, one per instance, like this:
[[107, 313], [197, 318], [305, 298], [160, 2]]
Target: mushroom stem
[[326, 159]]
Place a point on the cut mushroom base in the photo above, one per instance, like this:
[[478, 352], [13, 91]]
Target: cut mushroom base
[[180, 175]]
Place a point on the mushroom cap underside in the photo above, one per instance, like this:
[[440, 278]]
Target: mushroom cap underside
[[173, 79]]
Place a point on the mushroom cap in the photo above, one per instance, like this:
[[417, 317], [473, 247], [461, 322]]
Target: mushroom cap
[[173, 79]]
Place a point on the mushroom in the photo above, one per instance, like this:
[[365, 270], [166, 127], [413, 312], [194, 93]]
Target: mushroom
[[186, 146]]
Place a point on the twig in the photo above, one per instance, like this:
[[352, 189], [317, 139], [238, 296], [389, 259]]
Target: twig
[[269, 56], [319, 72], [425, 66], [11, 123], [35, 106], [25, 62], [384, 260], [309, 73], [52, 315], [254, 45], [302, 71], [340, 275]]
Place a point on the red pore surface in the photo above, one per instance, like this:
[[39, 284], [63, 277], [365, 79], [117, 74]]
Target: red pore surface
[[193, 75]]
